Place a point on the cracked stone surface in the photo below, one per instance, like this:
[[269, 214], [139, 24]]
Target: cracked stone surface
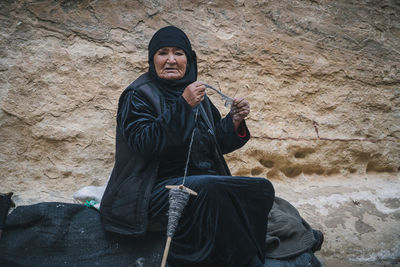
[[322, 78], [359, 215]]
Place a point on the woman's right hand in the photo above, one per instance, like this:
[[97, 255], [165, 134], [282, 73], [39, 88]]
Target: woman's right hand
[[194, 93]]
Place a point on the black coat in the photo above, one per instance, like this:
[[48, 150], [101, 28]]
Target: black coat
[[145, 128]]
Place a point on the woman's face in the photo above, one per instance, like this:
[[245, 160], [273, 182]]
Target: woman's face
[[170, 63]]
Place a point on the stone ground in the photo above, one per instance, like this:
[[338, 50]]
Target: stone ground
[[359, 215]]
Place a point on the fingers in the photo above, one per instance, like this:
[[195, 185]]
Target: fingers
[[199, 90], [240, 109], [241, 106], [241, 103], [194, 93], [240, 115]]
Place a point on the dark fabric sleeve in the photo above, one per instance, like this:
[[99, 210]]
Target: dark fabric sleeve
[[228, 139], [150, 134]]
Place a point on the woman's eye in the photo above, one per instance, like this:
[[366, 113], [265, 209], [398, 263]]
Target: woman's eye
[[179, 53]]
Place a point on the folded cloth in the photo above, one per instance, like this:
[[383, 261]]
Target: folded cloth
[[288, 233]]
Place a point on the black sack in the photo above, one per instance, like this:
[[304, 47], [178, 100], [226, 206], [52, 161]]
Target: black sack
[[63, 234]]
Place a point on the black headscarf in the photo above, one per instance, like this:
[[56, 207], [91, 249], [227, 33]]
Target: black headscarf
[[172, 36]]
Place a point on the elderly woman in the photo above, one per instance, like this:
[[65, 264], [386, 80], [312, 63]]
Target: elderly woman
[[226, 223]]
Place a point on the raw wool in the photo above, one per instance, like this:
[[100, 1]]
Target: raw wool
[[178, 199], [91, 194]]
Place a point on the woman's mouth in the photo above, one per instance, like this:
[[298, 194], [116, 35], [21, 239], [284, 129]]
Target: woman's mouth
[[170, 69]]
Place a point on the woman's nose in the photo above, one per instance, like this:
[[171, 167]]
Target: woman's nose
[[171, 58]]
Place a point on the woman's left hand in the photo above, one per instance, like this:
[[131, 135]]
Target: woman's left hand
[[240, 109]]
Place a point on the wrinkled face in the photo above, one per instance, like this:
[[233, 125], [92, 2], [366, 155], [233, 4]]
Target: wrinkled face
[[170, 63]]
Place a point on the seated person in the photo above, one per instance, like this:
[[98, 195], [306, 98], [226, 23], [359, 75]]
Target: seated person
[[226, 223]]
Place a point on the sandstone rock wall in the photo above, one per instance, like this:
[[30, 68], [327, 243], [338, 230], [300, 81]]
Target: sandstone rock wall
[[322, 78]]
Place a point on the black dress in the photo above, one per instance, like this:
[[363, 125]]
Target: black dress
[[226, 223]]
